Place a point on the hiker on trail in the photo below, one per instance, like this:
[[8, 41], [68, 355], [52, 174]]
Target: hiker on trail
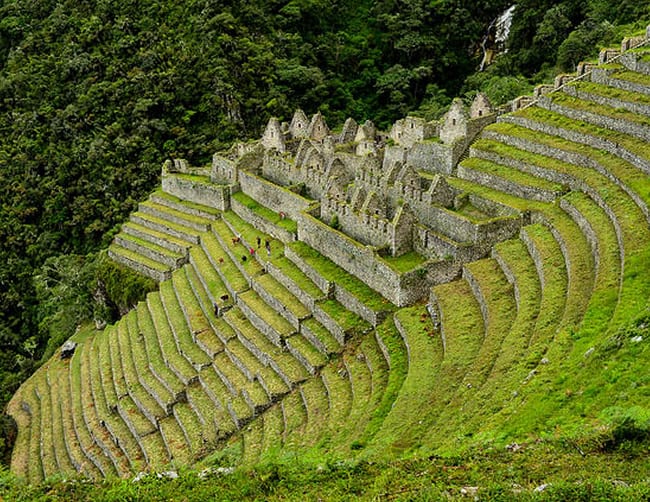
[[251, 251], [243, 258], [259, 242], [268, 248], [216, 309]]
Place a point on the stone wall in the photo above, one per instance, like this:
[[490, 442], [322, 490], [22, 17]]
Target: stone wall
[[358, 260], [217, 196], [276, 198]]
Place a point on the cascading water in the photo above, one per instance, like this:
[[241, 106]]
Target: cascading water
[[494, 42]]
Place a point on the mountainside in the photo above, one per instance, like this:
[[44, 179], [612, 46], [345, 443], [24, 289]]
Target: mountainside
[[263, 342]]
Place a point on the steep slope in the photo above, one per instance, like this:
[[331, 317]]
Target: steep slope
[[257, 344]]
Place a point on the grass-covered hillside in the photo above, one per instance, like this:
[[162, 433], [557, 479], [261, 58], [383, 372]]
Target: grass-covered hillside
[[524, 378]]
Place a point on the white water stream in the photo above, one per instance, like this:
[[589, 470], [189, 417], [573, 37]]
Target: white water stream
[[494, 42]]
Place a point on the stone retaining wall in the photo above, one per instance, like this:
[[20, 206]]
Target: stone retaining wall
[[216, 196]]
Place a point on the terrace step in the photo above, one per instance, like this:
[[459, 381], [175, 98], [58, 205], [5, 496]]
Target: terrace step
[[120, 427], [118, 462], [145, 401], [320, 337], [142, 264], [492, 174], [609, 257], [164, 226], [620, 78], [273, 433], [629, 178], [462, 331], [495, 296], [305, 352], [210, 340], [175, 359], [224, 261], [553, 277], [549, 122], [173, 244], [61, 418], [284, 364], [150, 250], [199, 325], [316, 404], [597, 93], [263, 218], [597, 114], [36, 471], [179, 328], [175, 216], [163, 198], [212, 385], [264, 318], [277, 297]]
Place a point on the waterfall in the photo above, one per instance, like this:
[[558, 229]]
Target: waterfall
[[494, 41]]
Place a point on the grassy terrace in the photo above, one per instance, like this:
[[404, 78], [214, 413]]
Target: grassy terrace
[[146, 403], [554, 288], [217, 251], [175, 241], [563, 99], [153, 352], [273, 419], [214, 338], [61, 419], [272, 381], [333, 273], [621, 73], [506, 173], [339, 392], [191, 427], [195, 317], [290, 270], [368, 373], [633, 178], [316, 403], [77, 404], [175, 359], [346, 319], [509, 368], [164, 225], [265, 213], [175, 441], [634, 145], [294, 371], [162, 196], [578, 250], [278, 291], [219, 395], [464, 332], [196, 178], [325, 339], [204, 408], [611, 92], [609, 272], [266, 313], [133, 343], [138, 258], [306, 349], [498, 295], [210, 278], [179, 327], [404, 263], [113, 421], [413, 381], [112, 453], [295, 420], [35, 468], [180, 217], [155, 248]]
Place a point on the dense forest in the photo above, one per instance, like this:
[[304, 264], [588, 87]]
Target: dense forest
[[95, 95]]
